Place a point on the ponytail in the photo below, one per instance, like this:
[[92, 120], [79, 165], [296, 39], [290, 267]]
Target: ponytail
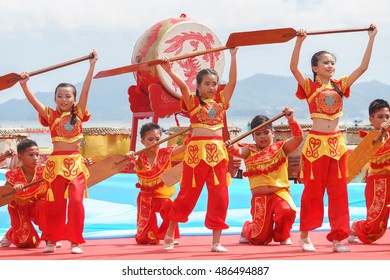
[[73, 119]]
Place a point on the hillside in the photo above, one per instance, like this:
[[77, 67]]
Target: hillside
[[259, 94]]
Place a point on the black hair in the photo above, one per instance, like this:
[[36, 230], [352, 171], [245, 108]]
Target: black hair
[[377, 105], [314, 62], [149, 127], [24, 145], [258, 120], [199, 78], [73, 119]]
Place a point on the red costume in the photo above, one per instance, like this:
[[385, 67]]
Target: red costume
[[324, 161], [273, 214], [28, 207], [66, 175], [154, 197], [377, 194], [205, 161]]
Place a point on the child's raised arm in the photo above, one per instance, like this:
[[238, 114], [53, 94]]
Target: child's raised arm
[[87, 82], [30, 96], [366, 57], [298, 75], [231, 84], [185, 90]]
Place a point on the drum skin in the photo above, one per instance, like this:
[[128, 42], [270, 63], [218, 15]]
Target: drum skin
[[170, 38], [101, 142]]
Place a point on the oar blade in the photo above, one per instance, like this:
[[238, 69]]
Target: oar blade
[[8, 80], [260, 37], [106, 168]]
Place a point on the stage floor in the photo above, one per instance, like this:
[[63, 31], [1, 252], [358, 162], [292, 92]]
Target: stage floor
[[198, 248]]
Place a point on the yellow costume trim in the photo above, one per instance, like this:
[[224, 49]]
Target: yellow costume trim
[[285, 195], [316, 146], [212, 151], [67, 166]]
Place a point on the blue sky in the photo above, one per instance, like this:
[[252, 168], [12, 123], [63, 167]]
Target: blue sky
[[40, 33]]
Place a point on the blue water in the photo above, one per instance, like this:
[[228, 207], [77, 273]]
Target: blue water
[[111, 208]]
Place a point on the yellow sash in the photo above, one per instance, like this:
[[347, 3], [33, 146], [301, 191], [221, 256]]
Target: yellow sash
[[68, 166], [316, 146]]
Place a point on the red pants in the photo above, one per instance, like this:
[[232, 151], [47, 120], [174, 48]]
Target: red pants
[[325, 172], [58, 228], [22, 232], [218, 198], [377, 197], [272, 218], [148, 231]]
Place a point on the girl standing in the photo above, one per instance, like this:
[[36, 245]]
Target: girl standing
[[206, 158], [324, 152], [65, 171]]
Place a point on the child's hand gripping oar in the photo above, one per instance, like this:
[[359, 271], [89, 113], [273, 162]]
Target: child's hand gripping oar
[[116, 163], [172, 176], [7, 194], [237, 39], [10, 79]]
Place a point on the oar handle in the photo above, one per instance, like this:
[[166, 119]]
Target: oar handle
[[43, 70], [320, 32], [158, 61], [156, 144], [25, 187], [256, 128], [379, 136]]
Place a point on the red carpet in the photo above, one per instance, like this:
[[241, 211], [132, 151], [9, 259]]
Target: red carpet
[[198, 248]]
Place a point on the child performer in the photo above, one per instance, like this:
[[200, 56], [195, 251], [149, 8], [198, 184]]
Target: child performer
[[65, 170], [29, 205], [154, 196], [377, 191], [324, 152], [206, 158], [273, 209]]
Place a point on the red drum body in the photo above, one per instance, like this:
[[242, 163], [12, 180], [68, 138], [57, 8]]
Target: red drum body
[[171, 38]]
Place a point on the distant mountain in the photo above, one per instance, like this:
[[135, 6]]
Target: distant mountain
[[259, 94]]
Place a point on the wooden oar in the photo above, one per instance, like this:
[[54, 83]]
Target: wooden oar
[[172, 176], [363, 153], [116, 163], [10, 79], [7, 194], [237, 39]]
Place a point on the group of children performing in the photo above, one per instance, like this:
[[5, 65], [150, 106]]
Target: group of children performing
[[206, 155]]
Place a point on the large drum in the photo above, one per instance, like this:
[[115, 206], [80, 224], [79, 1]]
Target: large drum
[[176, 37], [101, 142], [9, 138]]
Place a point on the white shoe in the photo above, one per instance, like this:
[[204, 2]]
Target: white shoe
[[286, 242], [306, 245], [5, 242], [218, 248], [175, 242], [168, 244], [50, 248], [75, 249], [58, 245], [353, 239], [243, 240], [338, 248]]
